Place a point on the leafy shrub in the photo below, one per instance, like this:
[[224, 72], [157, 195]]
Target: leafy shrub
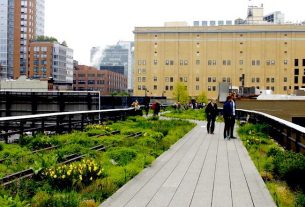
[[41, 142], [88, 203], [300, 200], [7, 201], [1, 147], [157, 136], [147, 141], [290, 166], [70, 199], [74, 174], [122, 155]]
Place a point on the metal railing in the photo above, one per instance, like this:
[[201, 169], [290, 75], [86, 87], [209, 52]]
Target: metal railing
[[58, 122], [291, 136]]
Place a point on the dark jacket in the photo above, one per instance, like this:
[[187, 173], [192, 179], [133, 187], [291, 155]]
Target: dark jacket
[[211, 110], [227, 109]]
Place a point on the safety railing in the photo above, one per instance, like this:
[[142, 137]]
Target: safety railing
[[291, 136]]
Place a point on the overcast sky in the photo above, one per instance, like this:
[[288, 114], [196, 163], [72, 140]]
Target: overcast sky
[[87, 23]]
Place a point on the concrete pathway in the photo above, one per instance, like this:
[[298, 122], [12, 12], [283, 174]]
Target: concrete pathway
[[199, 170]]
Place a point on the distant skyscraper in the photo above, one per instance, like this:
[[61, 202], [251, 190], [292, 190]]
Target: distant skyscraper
[[95, 56], [20, 22], [275, 18], [120, 54]]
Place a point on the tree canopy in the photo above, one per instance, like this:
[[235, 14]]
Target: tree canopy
[[202, 98], [46, 39], [181, 94]]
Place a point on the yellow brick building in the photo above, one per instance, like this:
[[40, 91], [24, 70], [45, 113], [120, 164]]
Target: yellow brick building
[[265, 56]]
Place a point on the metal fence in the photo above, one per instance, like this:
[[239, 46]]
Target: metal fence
[[291, 136], [58, 122]]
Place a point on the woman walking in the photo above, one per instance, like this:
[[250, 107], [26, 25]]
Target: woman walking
[[211, 113]]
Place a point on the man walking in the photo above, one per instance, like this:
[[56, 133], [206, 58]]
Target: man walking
[[232, 121], [211, 113], [227, 116]]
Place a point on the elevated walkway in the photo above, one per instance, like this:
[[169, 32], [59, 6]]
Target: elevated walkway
[[199, 170]]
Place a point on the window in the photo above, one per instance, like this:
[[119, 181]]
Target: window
[[91, 82], [303, 81], [285, 79], [224, 62], [139, 63], [268, 62], [166, 79], [241, 62], [197, 87], [171, 79], [272, 80], [139, 87], [181, 62], [257, 80], [214, 79], [228, 79], [214, 62], [285, 62], [285, 88], [268, 80], [272, 88], [296, 62], [296, 79], [185, 79], [253, 80], [197, 62], [185, 62], [139, 79], [91, 75], [197, 78], [209, 79], [209, 88], [181, 79], [303, 64], [214, 88], [171, 88], [296, 71], [258, 62], [155, 78], [166, 88], [166, 62], [209, 62], [155, 87], [253, 62], [224, 80], [139, 71], [155, 62], [143, 79], [171, 62]]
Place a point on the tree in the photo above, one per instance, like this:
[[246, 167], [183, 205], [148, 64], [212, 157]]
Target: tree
[[64, 43], [181, 94], [46, 39], [202, 98]]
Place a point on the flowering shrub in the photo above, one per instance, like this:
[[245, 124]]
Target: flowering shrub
[[83, 172]]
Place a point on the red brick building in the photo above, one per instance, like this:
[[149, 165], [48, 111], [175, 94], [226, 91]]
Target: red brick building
[[86, 78]]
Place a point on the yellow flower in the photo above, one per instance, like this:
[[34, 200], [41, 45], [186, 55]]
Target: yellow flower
[[69, 172], [63, 176], [80, 177], [91, 178], [55, 176]]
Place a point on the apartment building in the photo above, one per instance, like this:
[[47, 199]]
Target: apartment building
[[51, 60], [268, 57], [88, 78], [21, 21]]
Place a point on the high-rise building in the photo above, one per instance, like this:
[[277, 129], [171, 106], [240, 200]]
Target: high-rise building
[[118, 56], [95, 56], [21, 22], [51, 59], [268, 57]]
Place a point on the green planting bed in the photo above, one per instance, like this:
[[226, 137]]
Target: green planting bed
[[86, 182], [283, 171]]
